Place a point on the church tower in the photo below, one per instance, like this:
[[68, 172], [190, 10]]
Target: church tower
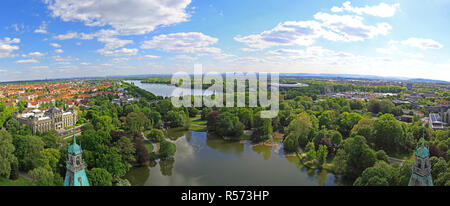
[[421, 170], [75, 175]]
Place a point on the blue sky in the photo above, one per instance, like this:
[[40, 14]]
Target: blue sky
[[78, 38]]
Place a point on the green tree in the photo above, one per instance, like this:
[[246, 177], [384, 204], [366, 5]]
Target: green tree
[[340, 161], [103, 123], [263, 129], [127, 149], [246, 117], [49, 158], [111, 160], [300, 126], [443, 179], [389, 133], [167, 149], [346, 121], [6, 113], [373, 176], [381, 155], [28, 151], [12, 125], [322, 154], [439, 167], [7, 157], [327, 119], [290, 144], [336, 138], [310, 151], [229, 125], [99, 177], [405, 173], [360, 156], [42, 176], [135, 122], [156, 135]]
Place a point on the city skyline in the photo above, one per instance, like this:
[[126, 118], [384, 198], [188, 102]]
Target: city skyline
[[43, 39]]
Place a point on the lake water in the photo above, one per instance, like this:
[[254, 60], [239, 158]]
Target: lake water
[[205, 160], [167, 90]]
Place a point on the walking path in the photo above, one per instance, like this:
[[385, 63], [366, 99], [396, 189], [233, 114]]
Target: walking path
[[155, 146]]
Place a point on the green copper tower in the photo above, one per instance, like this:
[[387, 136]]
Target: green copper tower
[[75, 175], [421, 170]]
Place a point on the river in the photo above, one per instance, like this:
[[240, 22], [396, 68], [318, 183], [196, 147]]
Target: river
[[204, 160]]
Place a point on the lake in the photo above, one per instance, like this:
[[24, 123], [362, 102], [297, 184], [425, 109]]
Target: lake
[[166, 90], [205, 160]]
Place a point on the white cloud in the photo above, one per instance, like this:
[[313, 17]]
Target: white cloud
[[380, 10], [185, 58], [68, 35], [18, 28], [288, 33], [305, 33], [60, 59], [55, 45], [59, 51], [118, 52], [6, 47], [152, 57], [113, 43], [389, 50], [394, 50], [85, 63], [422, 43], [27, 61], [125, 16], [34, 54], [312, 54], [249, 49], [39, 67], [42, 28], [62, 63], [350, 28], [119, 60], [193, 42]]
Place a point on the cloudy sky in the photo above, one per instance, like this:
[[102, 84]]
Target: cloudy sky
[[78, 38]]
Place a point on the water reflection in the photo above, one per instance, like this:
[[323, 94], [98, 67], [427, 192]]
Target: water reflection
[[138, 176], [230, 147], [203, 159], [262, 149], [166, 167]]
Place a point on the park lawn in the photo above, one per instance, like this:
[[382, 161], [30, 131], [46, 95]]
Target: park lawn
[[19, 182], [199, 122], [197, 128], [198, 125]]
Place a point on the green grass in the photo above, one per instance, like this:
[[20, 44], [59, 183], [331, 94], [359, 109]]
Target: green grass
[[199, 122], [19, 182], [198, 125], [197, 128]]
